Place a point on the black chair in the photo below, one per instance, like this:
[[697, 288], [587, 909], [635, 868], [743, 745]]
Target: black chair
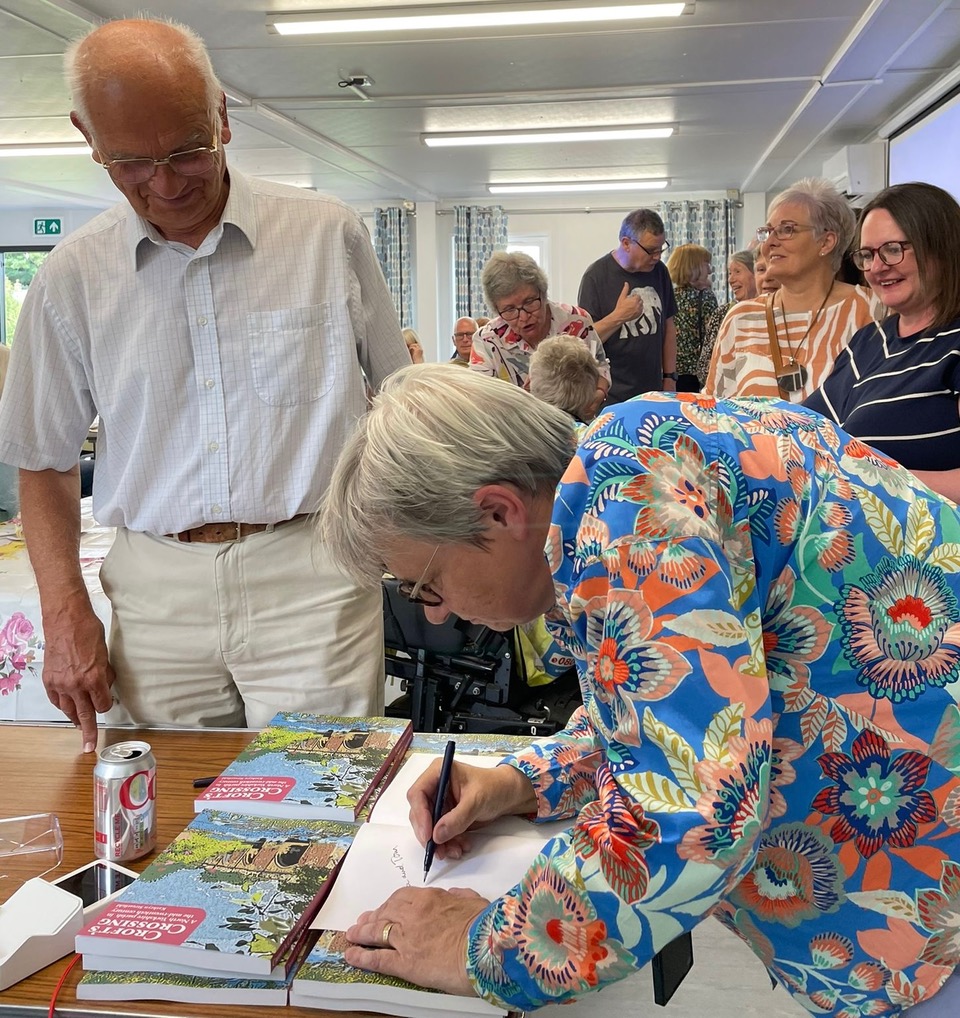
[[458, 677], [87, 463]]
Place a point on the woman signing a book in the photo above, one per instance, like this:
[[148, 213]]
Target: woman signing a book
[[765, 618]]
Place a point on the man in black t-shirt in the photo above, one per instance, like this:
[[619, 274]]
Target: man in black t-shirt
[[630, 297]]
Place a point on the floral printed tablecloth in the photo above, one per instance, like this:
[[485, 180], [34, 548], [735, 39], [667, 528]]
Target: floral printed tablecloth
[[22, 697]]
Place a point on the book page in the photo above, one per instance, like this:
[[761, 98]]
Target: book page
[[383, 859]]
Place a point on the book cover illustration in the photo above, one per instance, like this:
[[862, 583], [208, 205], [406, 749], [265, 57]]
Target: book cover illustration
[[223, 896], [138, 985], [310, 765], [326, 980]]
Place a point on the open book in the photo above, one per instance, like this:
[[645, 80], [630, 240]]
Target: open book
[[385, 856], [312, 766]]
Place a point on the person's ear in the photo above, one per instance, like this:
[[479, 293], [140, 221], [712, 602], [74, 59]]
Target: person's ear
[[828, 243], [502, 506], [88, 137], [225, 132]]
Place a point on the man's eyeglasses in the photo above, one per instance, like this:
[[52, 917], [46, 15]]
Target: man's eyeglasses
[[463, 335], [188, 163], [529, 307], [652, 251], [419, 592], [890, 253], [782, 232]]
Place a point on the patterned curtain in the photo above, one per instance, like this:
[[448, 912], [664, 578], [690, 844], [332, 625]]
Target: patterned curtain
[[478, 231], [711, 224], [391, 239]]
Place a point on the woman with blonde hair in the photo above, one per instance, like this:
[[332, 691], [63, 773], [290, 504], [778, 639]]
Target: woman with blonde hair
[[414, 347], [785, 344], [690, 271]]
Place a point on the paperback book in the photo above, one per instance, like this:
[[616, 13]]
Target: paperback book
[[311, 766], [325, 980], [232, 895], [186, 989]]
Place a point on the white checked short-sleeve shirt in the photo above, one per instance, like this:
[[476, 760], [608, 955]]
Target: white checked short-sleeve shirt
[[226, 378]]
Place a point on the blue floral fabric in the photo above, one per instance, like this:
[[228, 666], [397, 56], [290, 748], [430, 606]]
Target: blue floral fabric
[[764, 614]]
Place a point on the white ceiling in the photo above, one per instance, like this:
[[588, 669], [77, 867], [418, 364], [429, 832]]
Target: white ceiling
[[761, 92]]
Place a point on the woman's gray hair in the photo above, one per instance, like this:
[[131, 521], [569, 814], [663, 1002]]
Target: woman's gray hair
[[745, 258], [505, 273], [433, 437], [564, 373], [829, 212], [81, 72]]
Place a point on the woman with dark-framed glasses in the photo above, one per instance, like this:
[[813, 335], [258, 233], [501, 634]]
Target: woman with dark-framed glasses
[[784, 344], [897, 385], [515, 288]]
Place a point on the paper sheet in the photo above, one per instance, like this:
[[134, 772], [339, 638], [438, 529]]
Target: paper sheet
[[385, 858]]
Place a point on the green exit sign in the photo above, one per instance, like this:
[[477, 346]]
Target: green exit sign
[[47, 227]]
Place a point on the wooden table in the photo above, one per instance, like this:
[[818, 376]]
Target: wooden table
[[42, 770]]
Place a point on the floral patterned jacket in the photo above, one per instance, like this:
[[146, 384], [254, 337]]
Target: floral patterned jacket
[[764, 613]]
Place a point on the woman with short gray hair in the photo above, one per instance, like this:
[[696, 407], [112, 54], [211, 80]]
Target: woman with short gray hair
[[754, 684], [785, 344], [564, 374], [516, 289]]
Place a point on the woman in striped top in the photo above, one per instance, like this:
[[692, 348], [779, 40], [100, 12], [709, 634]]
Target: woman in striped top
[[897, 385], [810, 319]]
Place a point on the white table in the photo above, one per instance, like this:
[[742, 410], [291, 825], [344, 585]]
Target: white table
[[22, 697]]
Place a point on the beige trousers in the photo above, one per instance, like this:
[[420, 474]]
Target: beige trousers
[[226, 635]]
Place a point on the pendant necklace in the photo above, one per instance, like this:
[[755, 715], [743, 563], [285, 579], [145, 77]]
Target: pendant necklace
[[794, 375]]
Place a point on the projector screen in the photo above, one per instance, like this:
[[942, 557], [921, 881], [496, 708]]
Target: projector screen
[[929, 150]]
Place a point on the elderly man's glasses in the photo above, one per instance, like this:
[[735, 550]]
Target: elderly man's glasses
[[528, 307], [782, 232], [419, 592], [463, 335], [652, 251], [188, 163], [890, 253]]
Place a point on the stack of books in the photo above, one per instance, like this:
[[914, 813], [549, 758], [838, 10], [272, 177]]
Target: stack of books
[[223, 914], [248, 905]]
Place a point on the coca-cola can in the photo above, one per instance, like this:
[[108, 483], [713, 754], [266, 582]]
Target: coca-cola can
[[124, 802]]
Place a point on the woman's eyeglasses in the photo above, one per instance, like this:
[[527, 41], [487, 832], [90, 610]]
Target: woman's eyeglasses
[[782, 232], [890, 253], [530, 307], [419, 592]]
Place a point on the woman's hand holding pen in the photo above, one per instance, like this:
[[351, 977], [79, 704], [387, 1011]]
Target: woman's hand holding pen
[[478, 796]]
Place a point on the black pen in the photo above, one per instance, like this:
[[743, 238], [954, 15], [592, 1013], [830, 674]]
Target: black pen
[[203, 782], [445, 769]]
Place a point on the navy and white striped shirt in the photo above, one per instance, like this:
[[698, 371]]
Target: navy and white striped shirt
[[900, 394]]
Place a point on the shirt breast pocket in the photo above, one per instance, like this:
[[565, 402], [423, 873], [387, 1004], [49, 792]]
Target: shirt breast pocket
[[287, 354]]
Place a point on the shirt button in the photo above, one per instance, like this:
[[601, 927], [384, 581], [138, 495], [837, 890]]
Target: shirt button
[[213, 446], [202, 320], [216, 509], [209, 383]]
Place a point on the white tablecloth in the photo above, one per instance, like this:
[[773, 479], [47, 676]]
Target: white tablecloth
[[22, 697]]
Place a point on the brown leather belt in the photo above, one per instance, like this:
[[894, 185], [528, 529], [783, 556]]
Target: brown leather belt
[[218, 533]]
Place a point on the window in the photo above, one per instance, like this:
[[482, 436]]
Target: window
[[19, 268], [536, 247]]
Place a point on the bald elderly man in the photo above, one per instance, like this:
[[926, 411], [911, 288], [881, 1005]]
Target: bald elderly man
[[463, 333], [221, 327]]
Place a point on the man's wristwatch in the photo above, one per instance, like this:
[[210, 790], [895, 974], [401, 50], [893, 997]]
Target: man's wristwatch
[[670, 374]]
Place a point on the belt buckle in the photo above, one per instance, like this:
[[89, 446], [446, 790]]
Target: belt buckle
[[238, 525]]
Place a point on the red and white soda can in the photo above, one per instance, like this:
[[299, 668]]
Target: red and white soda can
[[124, 802]]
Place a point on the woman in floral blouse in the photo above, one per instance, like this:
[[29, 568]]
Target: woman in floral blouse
[[765, 618], [690, 271]]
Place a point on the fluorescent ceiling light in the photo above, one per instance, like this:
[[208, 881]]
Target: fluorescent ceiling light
[[545, 137], [589, 185], [486, 16], [9, 151]]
